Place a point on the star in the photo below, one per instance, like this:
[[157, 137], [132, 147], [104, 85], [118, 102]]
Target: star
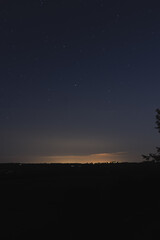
[[76, 84], [42, 2]]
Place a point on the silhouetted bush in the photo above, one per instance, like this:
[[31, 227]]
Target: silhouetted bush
[[155, 156]]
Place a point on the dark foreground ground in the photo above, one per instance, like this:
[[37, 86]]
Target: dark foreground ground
[[104, 201]]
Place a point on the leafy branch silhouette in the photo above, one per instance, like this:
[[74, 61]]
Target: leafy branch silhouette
[[155, 156]]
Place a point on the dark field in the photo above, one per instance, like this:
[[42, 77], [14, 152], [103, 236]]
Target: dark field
[[67, 201]]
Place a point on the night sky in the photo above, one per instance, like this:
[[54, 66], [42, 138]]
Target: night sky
[[79, 80]]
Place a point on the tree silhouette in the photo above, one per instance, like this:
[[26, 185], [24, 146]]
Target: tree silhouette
[[158, 120], [155, 156]]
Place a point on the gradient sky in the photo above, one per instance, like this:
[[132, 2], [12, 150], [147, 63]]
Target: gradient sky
[[78, 79]]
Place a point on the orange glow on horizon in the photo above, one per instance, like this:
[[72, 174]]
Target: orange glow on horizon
[[92, 158]]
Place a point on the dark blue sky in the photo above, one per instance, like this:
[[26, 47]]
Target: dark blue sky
[[78, 78]]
